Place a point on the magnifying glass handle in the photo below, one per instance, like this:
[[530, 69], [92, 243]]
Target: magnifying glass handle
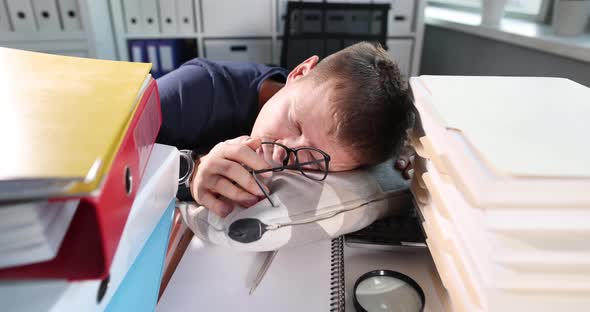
[[270, 256]]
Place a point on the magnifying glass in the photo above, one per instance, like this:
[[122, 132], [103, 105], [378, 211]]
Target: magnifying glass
[[385, 290]]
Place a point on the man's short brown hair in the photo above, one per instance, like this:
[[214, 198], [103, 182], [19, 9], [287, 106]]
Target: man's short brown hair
[[374, 111]]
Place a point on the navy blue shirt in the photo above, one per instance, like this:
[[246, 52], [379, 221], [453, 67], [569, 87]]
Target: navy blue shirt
[[205, 102]]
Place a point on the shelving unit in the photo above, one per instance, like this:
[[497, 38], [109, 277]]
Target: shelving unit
[[67, 27], [243, 30], [251, 30]]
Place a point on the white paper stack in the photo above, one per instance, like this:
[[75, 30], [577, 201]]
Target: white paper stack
[[503, 183], [33, 231]]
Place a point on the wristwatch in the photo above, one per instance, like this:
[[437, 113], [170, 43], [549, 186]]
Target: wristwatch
[[187, 167]]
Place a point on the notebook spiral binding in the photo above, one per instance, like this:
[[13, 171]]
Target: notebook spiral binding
[[337, 301]]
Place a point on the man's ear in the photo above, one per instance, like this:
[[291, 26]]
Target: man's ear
[[303, 69]]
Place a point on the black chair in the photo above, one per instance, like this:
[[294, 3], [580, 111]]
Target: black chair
[[313, 28]]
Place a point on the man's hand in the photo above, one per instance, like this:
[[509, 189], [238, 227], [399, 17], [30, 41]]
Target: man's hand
[[405, 161], [221, 177]]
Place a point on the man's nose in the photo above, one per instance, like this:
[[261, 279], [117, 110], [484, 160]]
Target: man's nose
[[279, 155], [267, 152]]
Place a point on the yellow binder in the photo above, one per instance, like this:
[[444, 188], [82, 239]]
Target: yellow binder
[[62, 120]]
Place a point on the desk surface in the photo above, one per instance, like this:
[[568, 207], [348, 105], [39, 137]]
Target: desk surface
[[216, 278], [188, 278]]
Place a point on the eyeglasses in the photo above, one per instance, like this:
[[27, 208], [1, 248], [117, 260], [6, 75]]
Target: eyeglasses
[[313, 163]]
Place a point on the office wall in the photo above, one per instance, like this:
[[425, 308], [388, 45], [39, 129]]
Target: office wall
[[448, 52]]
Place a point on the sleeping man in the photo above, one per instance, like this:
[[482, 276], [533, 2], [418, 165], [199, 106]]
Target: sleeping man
[[353, 105]]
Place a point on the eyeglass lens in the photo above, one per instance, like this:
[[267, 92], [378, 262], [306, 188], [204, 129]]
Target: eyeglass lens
[[313, 163]]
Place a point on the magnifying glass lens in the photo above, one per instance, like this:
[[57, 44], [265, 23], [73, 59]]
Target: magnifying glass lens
[[388, 292]]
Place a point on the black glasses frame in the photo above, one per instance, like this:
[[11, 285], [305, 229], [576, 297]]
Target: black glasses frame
[[296, 166]]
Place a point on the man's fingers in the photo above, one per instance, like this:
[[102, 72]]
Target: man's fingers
[[227, 189], [219, 207], [401, 164], [408, 173], [407, 149], [240, 139], [265, 151], [237, 173], [253, 143], [243, 154], [224, 176]]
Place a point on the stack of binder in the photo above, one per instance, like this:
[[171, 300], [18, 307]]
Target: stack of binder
[[76, 137], [134, 275], [501, 181]]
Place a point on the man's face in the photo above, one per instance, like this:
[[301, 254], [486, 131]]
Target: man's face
[[300, 114]]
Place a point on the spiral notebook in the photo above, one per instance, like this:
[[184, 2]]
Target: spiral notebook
[[214, 278]]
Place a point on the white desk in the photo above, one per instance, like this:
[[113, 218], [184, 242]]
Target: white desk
[[226, 279]]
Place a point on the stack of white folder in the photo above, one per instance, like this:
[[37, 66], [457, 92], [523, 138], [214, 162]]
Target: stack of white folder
[[502, 180]]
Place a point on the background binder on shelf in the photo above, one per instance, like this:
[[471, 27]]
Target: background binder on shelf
[[137, 51], [168, 17], [133, 17], [165, 54], [25, 21], [150, 23], [70, 15], [185, 17], [47, 15], [153, 56], [4, 21], [170, 55]]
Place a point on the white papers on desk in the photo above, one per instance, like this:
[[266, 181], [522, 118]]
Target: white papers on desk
[[32, 232], [507, 141], [502, 182], [214, 278]]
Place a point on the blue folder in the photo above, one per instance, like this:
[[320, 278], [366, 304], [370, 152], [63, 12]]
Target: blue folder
[[153, 56], [139, 289], [137, 52], [170, 52]]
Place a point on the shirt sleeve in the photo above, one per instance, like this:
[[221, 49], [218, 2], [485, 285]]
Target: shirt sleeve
[[205, 102], [186, 98]]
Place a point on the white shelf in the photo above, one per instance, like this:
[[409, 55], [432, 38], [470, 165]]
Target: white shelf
[[514, 31], [218, 31], [63, 43], [93, 37], [261, 36], [162, 36], [193, 35], [41, 36], [405, 36]]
